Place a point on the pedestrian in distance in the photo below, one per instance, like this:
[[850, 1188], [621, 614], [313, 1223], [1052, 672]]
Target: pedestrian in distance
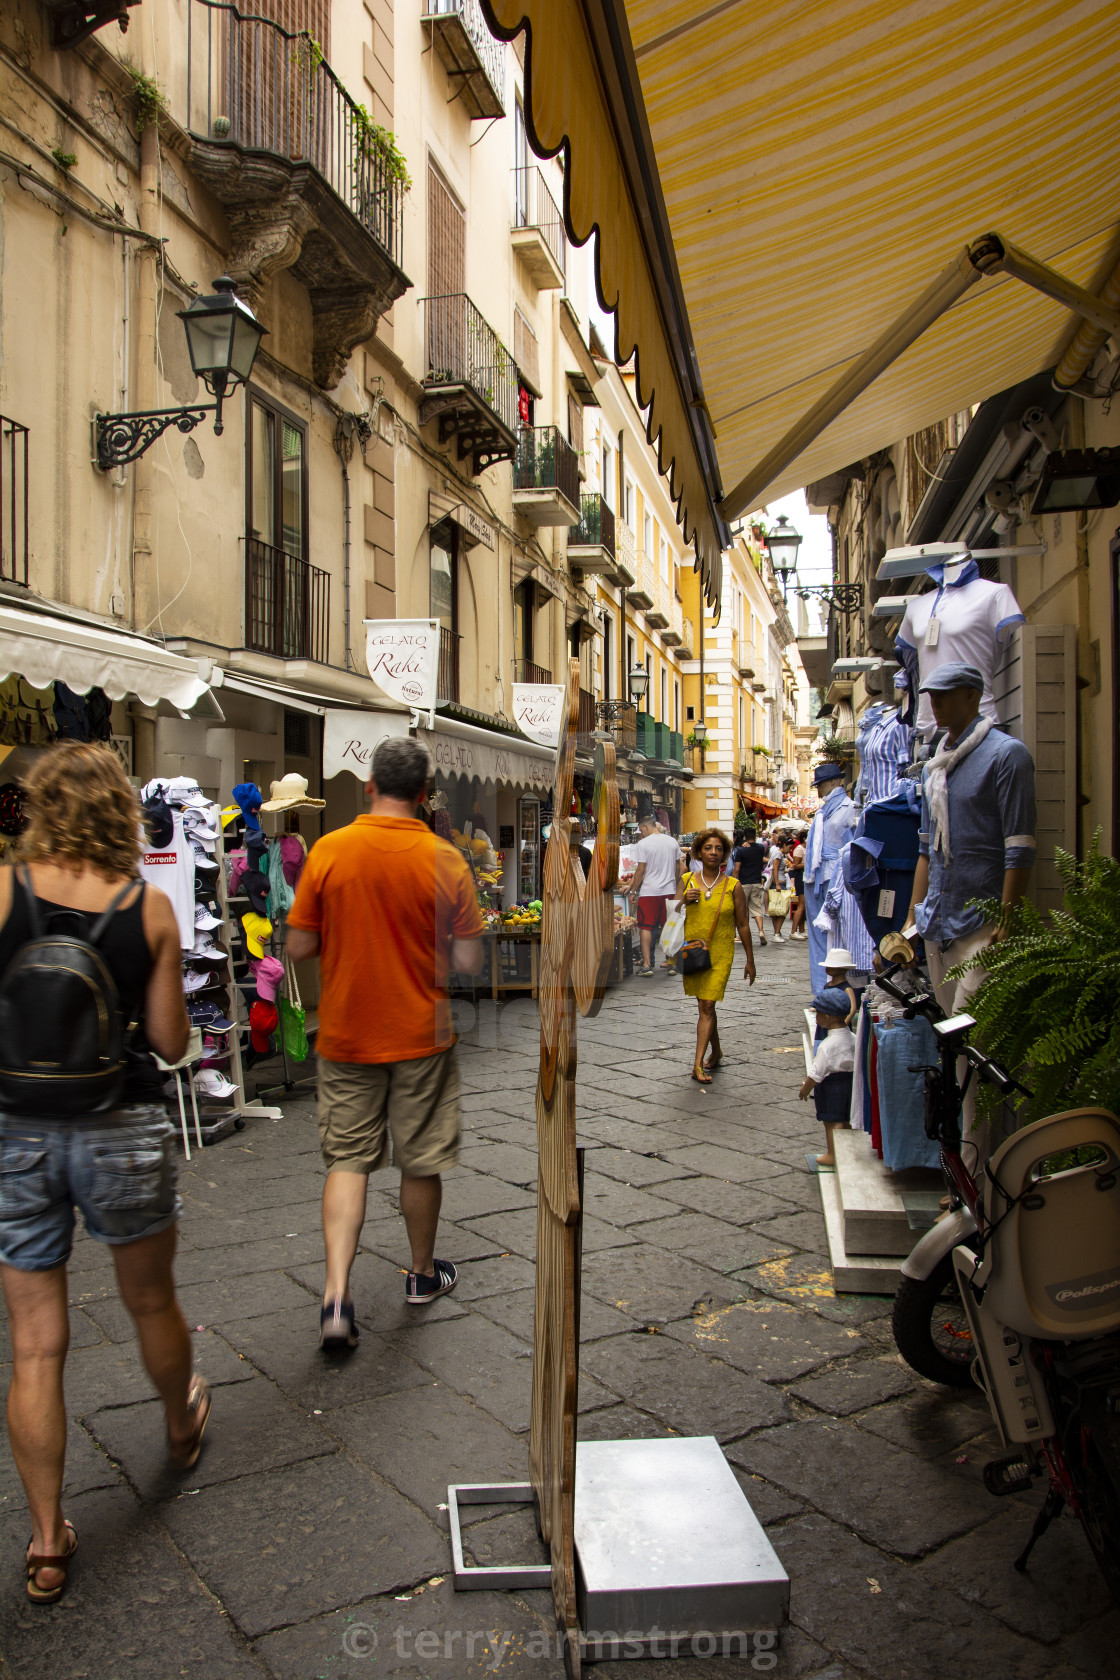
[[390, 911], [796, 866], [654, 884], [777, 894], [90, 986], [715, 911], [748, 865], [831, 1075]]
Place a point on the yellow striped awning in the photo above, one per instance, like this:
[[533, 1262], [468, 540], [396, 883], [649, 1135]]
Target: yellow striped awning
[[775, 182]]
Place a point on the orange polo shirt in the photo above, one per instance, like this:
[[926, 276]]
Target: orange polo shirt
[[386, 897]]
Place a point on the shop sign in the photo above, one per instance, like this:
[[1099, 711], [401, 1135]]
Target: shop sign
[[474, 528], [402, 657], [350, 739], [455, 756], [538, 711]]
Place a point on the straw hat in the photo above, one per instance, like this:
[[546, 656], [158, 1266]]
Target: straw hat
[[288, 792]]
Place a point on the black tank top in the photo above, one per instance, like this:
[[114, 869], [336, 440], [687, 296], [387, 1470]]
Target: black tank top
[[125, 952]]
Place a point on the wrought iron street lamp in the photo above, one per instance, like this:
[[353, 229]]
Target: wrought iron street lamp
[[223, 336], [639, 682], [700, 734], [782, 544]]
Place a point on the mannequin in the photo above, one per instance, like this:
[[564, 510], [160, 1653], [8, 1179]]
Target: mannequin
[[829, 831], [884, 744], [966, 620]]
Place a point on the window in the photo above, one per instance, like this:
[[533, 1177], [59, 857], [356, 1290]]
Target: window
[[297, 735], [742, 724], [608, 477], [277, 488], [676, 706], [690, 714], [665, 573], [631, 660], [628, 511], [523, 614], [608, 655], [664, 694], [647, 534], [444, 596], [447, 238], [520, 167]]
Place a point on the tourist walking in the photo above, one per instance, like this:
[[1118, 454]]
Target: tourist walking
[[748, 865], [716, 911], [654, 884], [83, 1125], [778, 892], [390, 910], [796, 865]]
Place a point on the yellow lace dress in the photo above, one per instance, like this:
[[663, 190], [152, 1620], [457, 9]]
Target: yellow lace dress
[[716, 923]]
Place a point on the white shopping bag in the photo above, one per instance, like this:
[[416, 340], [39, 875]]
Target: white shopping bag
[[672, 934]]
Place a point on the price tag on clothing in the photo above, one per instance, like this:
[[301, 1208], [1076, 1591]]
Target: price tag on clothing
[[886, 901], [933, 631]]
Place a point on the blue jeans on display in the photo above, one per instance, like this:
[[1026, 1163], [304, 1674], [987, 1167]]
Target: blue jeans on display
[[902, 1098]]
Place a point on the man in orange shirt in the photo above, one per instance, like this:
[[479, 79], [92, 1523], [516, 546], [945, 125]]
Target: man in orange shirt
[[389, 910]]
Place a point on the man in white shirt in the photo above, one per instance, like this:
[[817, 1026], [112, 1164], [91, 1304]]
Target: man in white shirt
[[654, 884]]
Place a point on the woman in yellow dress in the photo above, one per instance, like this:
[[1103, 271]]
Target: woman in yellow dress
[[716, 908]]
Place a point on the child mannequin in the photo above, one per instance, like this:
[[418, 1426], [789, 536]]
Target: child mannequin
[[830, 1078], [837, 962]]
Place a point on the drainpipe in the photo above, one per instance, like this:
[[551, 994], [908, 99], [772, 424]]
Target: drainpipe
[[145, 603], [620, 498]]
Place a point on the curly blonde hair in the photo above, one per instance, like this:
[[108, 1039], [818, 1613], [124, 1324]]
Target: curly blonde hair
[[702, 839], [82, 809]]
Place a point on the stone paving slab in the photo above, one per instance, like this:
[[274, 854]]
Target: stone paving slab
[[853, 1387], [710, 1242], [285, 1347], [769, 1339], [688, 1391]]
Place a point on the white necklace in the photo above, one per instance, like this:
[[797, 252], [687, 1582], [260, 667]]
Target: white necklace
[[709, 890]]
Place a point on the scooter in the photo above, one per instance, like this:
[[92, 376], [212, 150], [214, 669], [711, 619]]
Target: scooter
[[1018, 1288]]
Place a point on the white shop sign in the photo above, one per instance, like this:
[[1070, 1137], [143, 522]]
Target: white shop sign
[[455, 756], [538, 711], [350, 739], [402, 657]]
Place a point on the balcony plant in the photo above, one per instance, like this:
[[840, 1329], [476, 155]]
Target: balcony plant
[[1048, 1007], [149, 102]]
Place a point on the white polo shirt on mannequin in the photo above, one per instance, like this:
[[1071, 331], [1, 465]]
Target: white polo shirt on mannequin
[[967, 622]]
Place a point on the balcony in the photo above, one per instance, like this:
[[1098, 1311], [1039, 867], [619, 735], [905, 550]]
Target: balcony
[[688, 638], [447, 677], [626, 554], [474, 61], [643, 592], [538, 230], [13, 501], [673, 634], [524, 671], [546, 477], [660, 614], [591, 543], [306, 182], [617, 718], [471, 383], [287, 604]]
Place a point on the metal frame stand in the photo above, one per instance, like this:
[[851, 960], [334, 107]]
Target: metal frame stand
[[496, 1577]]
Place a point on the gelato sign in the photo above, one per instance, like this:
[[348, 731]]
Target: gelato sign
[[402, 657], [350, 739], [538, 711]]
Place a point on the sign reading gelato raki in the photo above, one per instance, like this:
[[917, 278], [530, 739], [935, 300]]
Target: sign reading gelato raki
[[538, 711], [402, 657], [350, 739]]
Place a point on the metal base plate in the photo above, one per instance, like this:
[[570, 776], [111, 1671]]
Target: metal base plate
[[476, 1578], [667, 1544]]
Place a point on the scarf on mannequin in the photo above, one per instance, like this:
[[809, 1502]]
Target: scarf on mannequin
[[938, 771]]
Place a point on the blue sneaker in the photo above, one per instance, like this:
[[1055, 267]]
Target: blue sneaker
[[337, 1328], [419, 1290]]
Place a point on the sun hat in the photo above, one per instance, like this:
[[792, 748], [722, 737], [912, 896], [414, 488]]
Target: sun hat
[[210, 1083], [263, 1022], [832, 1001], [256, 928], [268, 975], [205, 919], [289, 791], [952, 675], [838, 957]]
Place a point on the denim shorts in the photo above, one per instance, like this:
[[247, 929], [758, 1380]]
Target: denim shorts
[[120, 1168]]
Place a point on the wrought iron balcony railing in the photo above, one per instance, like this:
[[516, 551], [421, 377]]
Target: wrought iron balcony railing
[[525, 671], [474, 60], [620, 719], [545, 460], [535, 207], [256, 87], [447, 678], [465, 353], [287, 604], [596, 524], [13, 500]]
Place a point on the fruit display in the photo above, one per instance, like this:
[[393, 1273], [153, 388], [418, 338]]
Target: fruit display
[[623, 923], [523, 918]]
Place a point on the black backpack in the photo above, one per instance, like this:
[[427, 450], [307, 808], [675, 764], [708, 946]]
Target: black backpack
[[62, 1034]]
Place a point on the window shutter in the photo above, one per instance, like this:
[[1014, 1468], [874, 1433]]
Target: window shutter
[[446, 239], [526, 352], [575, 423]]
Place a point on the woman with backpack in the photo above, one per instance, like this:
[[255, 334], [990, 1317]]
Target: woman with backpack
[[90, 985]]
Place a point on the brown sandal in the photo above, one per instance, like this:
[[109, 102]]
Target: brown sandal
[[186, 1456], [35, 1562], [701, 1074]]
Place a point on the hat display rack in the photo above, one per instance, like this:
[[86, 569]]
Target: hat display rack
[[214, 1002]]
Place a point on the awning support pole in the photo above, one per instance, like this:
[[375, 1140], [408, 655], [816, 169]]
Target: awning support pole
[[984, 256]]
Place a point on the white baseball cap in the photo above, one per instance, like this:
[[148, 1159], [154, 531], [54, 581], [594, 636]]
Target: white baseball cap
[[195, 978], [184, 790], [205, 950], [202, 859], [203, 918], [210, 1083]]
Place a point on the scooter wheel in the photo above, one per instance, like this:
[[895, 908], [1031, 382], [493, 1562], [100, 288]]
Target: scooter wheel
[[930, 1329]]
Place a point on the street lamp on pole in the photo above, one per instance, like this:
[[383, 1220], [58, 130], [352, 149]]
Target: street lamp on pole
[[782, 544], [639, 682]]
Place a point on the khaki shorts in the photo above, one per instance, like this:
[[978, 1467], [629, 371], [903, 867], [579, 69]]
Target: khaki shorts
[[360, 1103], [755, 894]]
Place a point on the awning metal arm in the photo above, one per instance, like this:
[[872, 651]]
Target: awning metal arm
[[984, 256]]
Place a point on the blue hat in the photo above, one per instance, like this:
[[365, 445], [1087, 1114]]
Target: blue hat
[[952, 675], [832, 1001], [829, 771]]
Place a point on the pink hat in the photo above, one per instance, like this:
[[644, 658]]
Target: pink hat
[[269, 975]]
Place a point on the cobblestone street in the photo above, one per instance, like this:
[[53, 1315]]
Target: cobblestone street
[[315, 1518]]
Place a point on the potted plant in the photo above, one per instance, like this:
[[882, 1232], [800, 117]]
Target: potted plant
[[1048, 1006]]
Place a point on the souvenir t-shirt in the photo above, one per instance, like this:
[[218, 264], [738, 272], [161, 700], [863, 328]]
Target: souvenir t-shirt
[[661, 855], [171, 869], [966, 623], [386, 897]]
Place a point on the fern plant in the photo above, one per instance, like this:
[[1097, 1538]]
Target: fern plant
[[1050, 1007]]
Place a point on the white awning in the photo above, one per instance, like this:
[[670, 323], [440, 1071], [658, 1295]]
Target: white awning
[[45, 649], [462, 749]]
